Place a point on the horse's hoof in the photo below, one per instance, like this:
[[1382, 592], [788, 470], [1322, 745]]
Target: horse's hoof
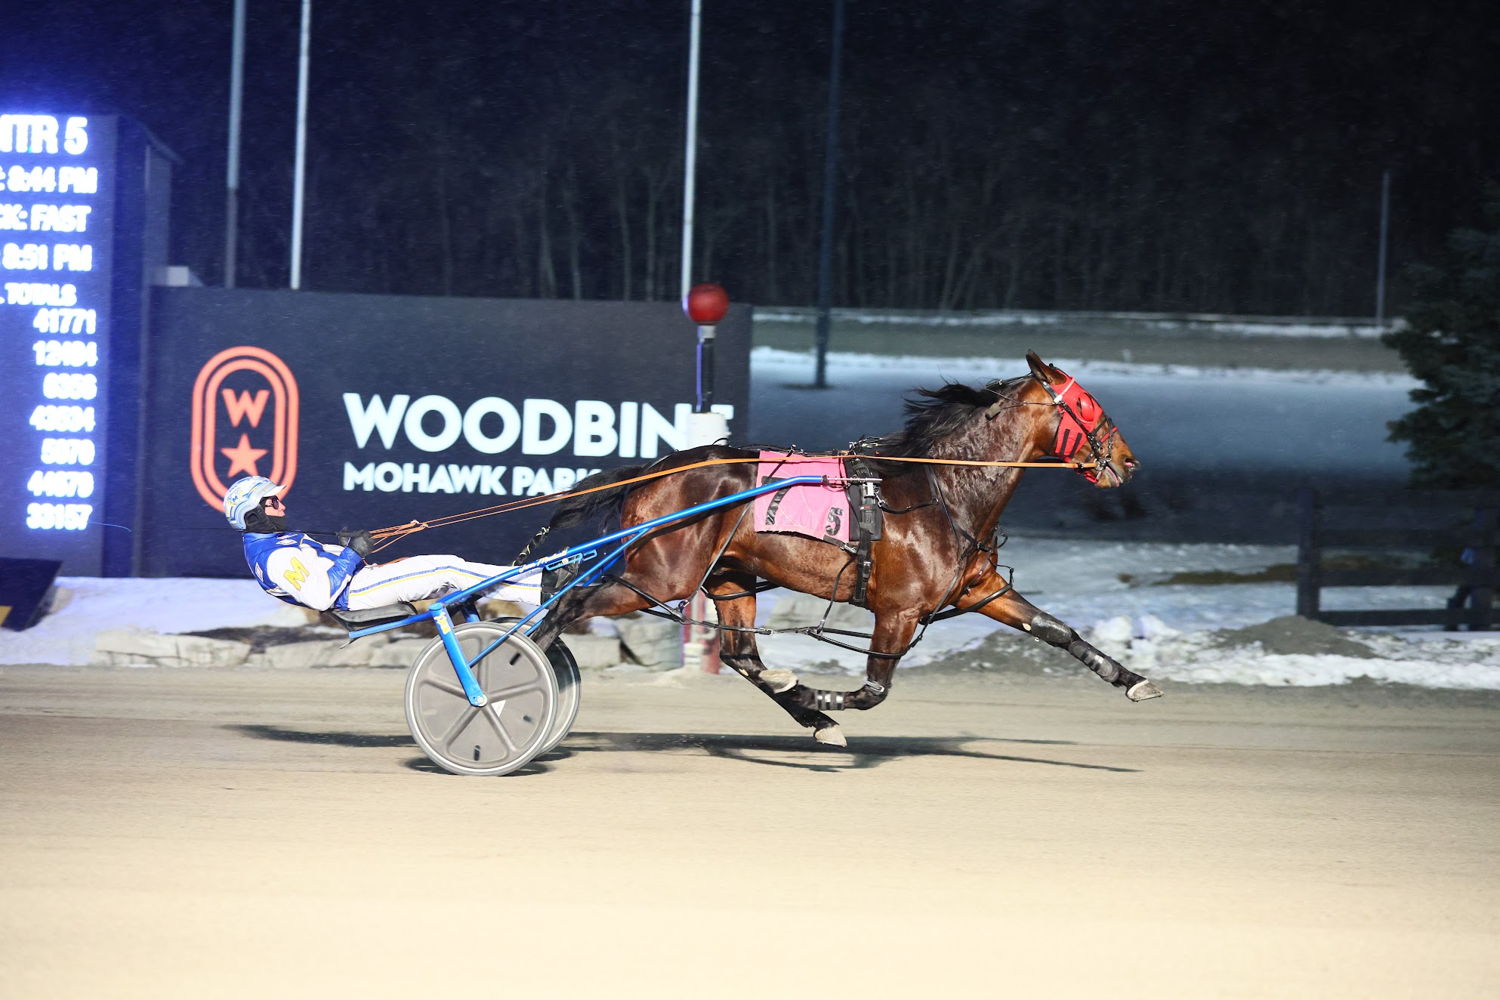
[[831, 736], [778, 680], [1142, 690]]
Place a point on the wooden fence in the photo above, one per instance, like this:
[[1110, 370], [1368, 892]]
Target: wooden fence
[[1410, 539]]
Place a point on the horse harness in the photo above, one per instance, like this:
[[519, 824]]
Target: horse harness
[[870, 508], [1082, 420], [863, 490]]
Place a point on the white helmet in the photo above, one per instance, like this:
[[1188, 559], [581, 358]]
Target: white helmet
[[245, 495]]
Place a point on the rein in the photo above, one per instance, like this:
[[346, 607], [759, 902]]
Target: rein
[[394, 533]]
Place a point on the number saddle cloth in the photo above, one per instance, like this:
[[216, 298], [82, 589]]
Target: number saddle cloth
[[838, 511]]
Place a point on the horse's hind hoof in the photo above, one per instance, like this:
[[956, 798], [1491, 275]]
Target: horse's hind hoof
[[1142, 690], [831, 736]]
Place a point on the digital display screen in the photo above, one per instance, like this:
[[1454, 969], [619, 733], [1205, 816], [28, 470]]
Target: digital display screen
[[56, 212]]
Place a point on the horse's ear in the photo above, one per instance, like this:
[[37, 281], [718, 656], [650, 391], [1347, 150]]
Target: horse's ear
[[1044, 372]]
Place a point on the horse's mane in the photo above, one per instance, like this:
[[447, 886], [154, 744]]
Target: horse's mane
[[935, 414]]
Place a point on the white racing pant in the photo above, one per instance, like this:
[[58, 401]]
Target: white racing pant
[[420, 578]]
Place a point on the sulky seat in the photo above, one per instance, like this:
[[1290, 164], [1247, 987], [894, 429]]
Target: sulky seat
[[352, 621]]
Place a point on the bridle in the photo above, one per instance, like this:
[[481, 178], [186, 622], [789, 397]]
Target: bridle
[[1081, 419]]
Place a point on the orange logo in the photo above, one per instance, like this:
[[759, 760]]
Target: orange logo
[[245, 410]]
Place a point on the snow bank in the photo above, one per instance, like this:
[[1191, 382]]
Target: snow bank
[[85, 606], [1119, 594]]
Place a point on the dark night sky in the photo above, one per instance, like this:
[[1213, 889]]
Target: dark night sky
[[1159, 124]]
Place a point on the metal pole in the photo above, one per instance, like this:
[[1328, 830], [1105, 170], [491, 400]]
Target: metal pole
[[698, 642], [690, 153], [1385, 223], [705, 401], [830, 175], [301, 164], [232, 181]]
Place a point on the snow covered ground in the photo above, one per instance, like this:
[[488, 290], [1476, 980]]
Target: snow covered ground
[[1125, 594], [1121, 594]]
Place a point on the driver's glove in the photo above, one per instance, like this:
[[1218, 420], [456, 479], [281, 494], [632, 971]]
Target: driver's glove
[[359, 541]]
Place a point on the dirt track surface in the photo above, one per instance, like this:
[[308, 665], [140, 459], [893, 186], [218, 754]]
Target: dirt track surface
[[243, 834]]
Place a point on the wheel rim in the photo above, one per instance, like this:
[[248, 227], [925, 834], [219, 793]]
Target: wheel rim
[[522, 691], [569, 689], [569, 693]]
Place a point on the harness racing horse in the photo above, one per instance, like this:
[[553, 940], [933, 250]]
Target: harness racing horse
[[935, 550]]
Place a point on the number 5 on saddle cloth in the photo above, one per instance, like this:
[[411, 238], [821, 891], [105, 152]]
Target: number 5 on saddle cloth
[[823, 511]]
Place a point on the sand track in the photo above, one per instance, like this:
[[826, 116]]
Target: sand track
[[237, 833]]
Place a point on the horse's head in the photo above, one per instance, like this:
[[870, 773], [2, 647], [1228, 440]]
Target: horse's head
[[1078, 429]]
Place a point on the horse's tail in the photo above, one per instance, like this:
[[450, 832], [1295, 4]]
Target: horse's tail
[[597, 501], [577, 509]]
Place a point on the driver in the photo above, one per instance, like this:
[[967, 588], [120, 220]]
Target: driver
[[298, 569]]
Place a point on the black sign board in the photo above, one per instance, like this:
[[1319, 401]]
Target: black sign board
[[379, 410]]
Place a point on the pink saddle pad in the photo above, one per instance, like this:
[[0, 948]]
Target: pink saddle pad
[[812, 509]]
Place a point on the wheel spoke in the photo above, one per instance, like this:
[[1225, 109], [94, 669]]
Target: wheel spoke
[[458, 726], [492, 714], [447, 687], [507, 693]]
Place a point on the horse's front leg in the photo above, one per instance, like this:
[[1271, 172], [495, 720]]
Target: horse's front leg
[[734, 601], [1016, 611]]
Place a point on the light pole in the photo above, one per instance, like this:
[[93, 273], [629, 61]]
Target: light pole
[[705, 304], [1385, 229], [830, 187], [232, 178], [300, 168], [690, 150]]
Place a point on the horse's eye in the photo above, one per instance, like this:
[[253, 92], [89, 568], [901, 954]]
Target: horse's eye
[[1088, 409]]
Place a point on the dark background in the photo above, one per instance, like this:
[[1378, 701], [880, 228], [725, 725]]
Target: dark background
[[1155, 155]]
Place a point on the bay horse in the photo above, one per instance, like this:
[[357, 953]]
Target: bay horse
[[936, 548]]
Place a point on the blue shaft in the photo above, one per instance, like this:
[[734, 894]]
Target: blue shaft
[[625, 536], [632, 533]]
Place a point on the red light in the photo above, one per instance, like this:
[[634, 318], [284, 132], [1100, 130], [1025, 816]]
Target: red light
[[706, 304]]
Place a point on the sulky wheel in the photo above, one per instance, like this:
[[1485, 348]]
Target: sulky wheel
[[504, 734], [569, 689]]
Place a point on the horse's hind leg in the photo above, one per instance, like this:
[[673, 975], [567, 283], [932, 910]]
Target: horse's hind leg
[[738, 650], [1016, 611], [889, 642], [605, 599], [667, 572]]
